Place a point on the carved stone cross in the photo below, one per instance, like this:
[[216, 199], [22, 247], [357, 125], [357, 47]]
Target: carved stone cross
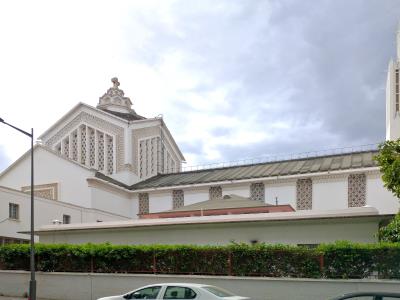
[[115, 82]]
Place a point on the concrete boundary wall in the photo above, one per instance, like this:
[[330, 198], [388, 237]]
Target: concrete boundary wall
[[89, 286]]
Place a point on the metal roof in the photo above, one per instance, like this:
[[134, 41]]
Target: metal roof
[[309, 165], [303, 166]]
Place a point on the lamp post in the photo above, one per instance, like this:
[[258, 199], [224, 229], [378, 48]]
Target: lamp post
[[32, 283]]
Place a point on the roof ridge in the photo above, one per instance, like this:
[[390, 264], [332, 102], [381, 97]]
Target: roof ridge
[[271, 162]]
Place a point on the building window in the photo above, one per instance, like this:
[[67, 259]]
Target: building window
[[143, 203], [100, 137], [66, 147], [66, 219], [13, 211], [304, 194], [178, 199], [83, 145], [357, 185], [110, 155], [257, 191], [215, 192], [92, 148], [75, 145]]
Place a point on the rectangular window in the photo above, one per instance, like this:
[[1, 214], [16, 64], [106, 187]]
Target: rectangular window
[[143, 203], [178, 199], [66, 219], [215, 192], [357, 190], [304, 194], [13, 211], [257, 192]]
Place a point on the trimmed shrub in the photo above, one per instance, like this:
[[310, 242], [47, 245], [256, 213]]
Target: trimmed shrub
[[338, 260]]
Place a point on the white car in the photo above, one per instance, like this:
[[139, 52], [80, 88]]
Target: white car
[[178, 291]]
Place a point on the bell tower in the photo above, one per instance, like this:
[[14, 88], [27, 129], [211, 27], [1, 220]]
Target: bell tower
[[393, 95]]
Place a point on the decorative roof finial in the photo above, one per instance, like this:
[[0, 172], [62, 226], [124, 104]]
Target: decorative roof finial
[[115, 82]]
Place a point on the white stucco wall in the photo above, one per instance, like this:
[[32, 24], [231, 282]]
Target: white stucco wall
[[49, 168], [196, 195], [91, 286], [45, 212], [295, 232], [379, 197], [240, 190], [330, 193], [160, 201], [286, 193], [111, 201]]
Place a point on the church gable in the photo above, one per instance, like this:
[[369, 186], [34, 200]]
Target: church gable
[[113, 139], [89, 140]]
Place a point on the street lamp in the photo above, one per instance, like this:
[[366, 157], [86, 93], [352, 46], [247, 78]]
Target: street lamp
[[32, 283]]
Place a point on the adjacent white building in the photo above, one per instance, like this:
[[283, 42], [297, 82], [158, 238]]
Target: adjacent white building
[[15, 214], [110, 159]]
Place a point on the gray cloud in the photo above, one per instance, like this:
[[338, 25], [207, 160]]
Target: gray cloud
[[318, 67]]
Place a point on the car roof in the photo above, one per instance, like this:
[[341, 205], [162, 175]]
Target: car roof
[[185, 284]]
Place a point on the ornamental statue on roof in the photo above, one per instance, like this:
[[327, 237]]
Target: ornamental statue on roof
[[114, 99]]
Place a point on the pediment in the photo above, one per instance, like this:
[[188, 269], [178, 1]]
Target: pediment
[[88, 137]]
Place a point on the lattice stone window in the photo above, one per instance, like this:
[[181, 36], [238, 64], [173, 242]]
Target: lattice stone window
[[143, 203], [75, 146], [83, 145], [152, 155], [215, 192], [48, 191], [141, 158], [110, 155], [92, 155], [257, 191], [357, 185], [178, 199], [304, 194], [58, 148], [66, 147], [101, 151]]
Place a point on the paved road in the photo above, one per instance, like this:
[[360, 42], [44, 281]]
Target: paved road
[[14, 298]]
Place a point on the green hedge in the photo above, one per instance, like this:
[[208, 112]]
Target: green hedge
[[351, 260], [339, 260]]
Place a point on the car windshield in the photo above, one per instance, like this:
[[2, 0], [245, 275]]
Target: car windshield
[[218, 291]]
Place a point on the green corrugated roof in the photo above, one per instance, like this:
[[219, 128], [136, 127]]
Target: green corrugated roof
[[278, 168]]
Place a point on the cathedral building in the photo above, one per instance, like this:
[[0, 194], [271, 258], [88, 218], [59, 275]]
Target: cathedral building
[[124, 170]]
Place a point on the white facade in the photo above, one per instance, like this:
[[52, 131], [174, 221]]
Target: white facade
[[93, 157], [46, 212]]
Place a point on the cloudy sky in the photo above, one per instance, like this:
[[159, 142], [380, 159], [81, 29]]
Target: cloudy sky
[[233, 79]]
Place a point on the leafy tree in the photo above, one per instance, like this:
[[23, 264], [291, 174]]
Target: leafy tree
[[391, 232], [388, 160]]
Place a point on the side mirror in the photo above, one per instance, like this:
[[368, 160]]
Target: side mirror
[[128, 296]]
